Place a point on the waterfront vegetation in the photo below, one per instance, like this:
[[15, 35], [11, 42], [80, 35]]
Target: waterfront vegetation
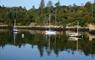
[[60, 15]]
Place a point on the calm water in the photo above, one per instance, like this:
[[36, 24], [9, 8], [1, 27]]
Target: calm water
[[35, 45]]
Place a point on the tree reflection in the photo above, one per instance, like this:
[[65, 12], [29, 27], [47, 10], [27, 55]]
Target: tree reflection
[[49, 43]]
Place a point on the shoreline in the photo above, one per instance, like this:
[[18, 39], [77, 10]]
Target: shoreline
[[55, 28], [48, 28]]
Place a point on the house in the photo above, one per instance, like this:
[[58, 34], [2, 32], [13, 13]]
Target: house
[[91, 27]]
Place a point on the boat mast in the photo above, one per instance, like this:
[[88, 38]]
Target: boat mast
[[14, 22], [77, 26], [49, 19]]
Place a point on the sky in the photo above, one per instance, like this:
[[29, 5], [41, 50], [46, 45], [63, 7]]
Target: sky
[[29, 3]]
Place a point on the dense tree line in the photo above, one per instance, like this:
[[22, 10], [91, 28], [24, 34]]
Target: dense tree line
[[60, 15]]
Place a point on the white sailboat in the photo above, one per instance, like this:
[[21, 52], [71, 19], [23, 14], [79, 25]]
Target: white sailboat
[[50, 32], [15, 30], [74, 34]]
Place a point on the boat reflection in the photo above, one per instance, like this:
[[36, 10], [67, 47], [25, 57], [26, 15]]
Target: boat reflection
[[73, 38], [73, 34]]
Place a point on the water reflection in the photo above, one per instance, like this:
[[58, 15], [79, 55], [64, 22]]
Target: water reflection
[[49, 44]]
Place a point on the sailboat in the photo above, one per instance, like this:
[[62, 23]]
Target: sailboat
[[74, 34], [50, 32], [14, 27]]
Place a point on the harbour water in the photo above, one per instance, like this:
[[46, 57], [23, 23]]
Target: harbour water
[[36, 45]]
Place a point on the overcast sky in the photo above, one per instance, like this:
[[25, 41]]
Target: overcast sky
[[29, 3]]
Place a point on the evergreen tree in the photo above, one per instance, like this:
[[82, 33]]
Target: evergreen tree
[[42, 5]]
